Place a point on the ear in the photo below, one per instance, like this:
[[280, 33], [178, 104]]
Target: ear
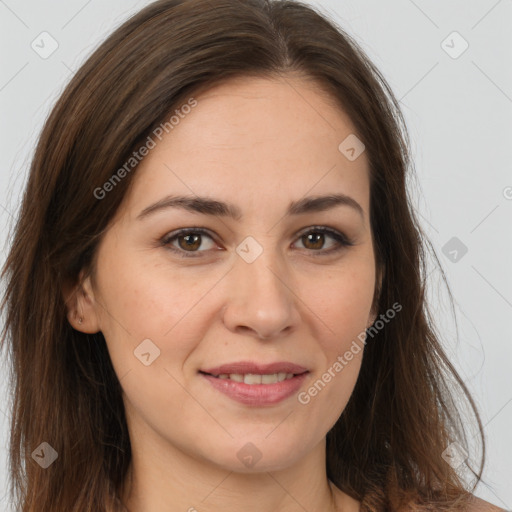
[[80, 305]]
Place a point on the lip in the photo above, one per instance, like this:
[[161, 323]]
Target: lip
[[257, 369], [257, 394]]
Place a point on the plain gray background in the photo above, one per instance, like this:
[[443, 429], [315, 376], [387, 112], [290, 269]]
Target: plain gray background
[[458, 107]]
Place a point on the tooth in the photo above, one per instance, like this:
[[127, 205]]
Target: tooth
[[251, 378], [269, 379]]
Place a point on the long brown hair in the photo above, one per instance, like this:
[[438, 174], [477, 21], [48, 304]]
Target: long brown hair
[[387, 446]]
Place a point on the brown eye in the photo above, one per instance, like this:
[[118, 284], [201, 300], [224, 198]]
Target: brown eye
[[187, 241], [314, 240], [190, 241]]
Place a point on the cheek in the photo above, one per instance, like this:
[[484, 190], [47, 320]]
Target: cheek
[[344, 308], [146, 302], [141, 301], [327, 393], [343, 299]]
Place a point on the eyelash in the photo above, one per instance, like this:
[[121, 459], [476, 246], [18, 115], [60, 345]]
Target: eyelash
[[340, 238]]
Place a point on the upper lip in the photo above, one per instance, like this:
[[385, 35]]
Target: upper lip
[[245, 367]]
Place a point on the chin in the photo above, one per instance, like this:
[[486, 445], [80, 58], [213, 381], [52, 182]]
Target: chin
[[257, 454]]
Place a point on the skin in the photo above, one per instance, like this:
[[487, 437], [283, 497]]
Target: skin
[[291, 304]]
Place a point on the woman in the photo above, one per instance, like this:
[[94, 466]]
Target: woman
[[215, 291]]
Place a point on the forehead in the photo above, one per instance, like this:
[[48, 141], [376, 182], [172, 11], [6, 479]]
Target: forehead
[[252, 138], [255, 110]]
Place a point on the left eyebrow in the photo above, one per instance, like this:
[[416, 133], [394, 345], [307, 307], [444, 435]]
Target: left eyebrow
[[209, 206]]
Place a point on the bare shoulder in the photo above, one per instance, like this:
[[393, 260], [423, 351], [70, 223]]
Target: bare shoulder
[[346, 503], [480, 505], [475, 505]]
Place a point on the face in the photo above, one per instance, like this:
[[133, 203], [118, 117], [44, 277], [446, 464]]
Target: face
[[275, 290]]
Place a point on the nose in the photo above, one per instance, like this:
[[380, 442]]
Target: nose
[[261, 299]]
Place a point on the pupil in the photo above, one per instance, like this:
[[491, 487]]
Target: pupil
[[318, 236], [190, 245]]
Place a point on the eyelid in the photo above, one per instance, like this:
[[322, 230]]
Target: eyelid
[[169, 237], [341, 239], [328, 230]]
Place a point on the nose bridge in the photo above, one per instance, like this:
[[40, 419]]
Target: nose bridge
[[261, 271], [264, 275], [262, 300]]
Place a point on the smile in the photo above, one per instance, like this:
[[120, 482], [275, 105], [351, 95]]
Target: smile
[[257, 395], [253, 378]]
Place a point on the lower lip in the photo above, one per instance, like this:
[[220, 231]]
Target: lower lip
[[257, 394]]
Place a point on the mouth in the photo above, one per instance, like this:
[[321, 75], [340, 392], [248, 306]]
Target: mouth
[[255, 378], [253, 373], [256, 384]]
